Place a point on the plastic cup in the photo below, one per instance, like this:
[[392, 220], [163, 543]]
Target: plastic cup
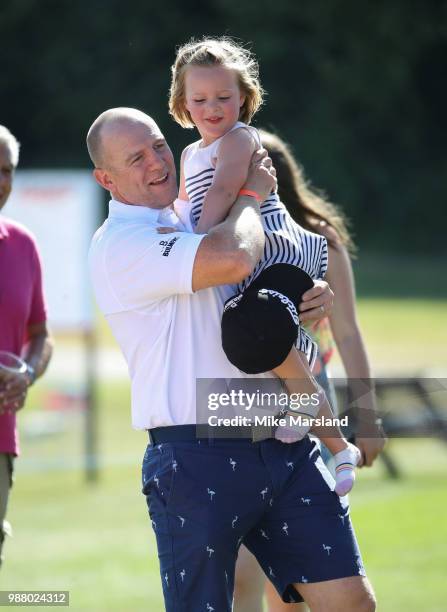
[[11, 364]]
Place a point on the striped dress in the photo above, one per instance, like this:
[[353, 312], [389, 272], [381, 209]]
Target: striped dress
[[285, 240]]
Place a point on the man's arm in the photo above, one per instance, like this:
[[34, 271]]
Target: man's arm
[[232, 249], [14, 388]]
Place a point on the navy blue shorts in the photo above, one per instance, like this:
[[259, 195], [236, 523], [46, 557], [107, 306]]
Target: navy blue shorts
[[207, 497]]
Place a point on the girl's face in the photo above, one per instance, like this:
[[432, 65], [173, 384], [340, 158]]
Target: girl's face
[[213, 99]]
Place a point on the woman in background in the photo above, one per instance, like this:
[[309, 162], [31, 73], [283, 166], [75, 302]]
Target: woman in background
[[313, 212]]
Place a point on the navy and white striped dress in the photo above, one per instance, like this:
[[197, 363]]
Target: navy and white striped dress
[[285, 240]]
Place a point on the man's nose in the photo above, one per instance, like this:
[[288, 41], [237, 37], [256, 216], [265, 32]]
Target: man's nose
[[155, 160]]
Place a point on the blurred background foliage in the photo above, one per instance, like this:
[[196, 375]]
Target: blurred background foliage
[[356, 87]]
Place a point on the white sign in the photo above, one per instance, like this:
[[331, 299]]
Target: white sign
[[62, 208]]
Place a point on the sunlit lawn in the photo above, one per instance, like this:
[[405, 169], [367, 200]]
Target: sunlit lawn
[[95, 539]]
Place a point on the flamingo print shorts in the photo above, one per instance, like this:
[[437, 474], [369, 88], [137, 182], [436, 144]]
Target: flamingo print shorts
[[206, 497]]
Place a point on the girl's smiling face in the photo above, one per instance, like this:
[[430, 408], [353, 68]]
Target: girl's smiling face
[[213, 99]]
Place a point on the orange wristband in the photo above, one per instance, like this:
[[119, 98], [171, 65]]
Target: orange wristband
[[252, 194]]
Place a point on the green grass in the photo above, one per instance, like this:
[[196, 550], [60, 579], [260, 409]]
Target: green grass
[[93, 541], [402, 529], [96, 541], [405, 335]]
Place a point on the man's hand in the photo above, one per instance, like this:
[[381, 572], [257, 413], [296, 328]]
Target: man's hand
[[261, 176], [13, 391], [317, 302]]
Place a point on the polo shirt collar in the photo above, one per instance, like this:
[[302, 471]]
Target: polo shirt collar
[[118, 210], [3, 229]]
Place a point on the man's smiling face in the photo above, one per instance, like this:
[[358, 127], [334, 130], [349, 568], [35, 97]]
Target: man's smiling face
[[138, 165]]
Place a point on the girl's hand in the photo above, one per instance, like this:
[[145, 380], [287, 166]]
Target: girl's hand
[[261, 174], [167, 230]]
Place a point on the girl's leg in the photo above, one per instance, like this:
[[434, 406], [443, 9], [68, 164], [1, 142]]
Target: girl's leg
[[298, 379], [320, 371]]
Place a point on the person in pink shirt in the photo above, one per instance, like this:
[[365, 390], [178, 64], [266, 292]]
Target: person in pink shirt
[[23, 329]]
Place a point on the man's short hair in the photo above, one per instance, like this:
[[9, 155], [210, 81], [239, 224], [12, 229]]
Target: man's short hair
[[94, 141], [10, 141], [94, 136]]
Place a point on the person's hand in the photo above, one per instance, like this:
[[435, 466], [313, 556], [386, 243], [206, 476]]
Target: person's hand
[[316, 302], [261, 176], [13, 391], [167, 230], [370, 447]]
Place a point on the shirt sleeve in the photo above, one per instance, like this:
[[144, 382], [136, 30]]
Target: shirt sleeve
[[38, 310], [134, 267]]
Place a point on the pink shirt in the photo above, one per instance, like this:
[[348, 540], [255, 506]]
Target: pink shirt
[[21, 304]]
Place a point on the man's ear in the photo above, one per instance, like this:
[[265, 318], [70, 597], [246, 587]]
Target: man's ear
[[103, 178], [242, 98]]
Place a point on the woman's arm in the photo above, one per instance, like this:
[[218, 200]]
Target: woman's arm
[[349, 340], [343, 319], [234, 157]]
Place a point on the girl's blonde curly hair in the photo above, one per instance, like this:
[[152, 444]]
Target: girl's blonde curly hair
[[222, 51]]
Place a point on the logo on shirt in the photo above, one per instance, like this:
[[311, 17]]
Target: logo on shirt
[[167, 245]]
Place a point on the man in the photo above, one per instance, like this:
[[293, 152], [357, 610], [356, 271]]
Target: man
[[23, 329], [163, 298]]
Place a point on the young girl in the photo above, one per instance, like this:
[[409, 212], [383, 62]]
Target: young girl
[[215, 88]]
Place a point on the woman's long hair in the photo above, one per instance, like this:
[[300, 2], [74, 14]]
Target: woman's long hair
[[305, 205]]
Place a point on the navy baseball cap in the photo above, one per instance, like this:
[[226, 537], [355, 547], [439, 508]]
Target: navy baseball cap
[[260, 325]]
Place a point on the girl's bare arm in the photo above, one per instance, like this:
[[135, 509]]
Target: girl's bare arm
[[235, 152]]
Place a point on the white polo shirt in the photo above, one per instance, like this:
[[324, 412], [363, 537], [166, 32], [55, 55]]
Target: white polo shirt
[[169, 335]]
